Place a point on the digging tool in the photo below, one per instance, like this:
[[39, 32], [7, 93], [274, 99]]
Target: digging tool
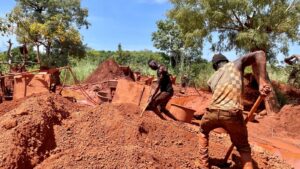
[[80, 87], [141, 95], [249, 116], [149, 101], [197, 90]]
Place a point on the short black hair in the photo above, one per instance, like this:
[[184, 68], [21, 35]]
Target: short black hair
[[218, 58]]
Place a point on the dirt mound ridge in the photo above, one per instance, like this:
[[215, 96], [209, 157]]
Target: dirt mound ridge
[[108, 69], [48, 131], [27, 134], [289, 121], [115, 136]]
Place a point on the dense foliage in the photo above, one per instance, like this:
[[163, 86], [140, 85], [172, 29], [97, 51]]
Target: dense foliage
[[241, 25], [51, 24]]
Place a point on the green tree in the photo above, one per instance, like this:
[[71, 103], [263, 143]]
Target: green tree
[[52, 24], [169, 38], [242, 25], [120, 50], [4, 26]]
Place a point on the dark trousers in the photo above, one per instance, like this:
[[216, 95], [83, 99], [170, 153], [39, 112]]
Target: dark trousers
[[159, 103]]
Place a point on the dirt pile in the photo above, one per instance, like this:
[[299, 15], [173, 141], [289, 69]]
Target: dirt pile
[[115, 136], [107, 70], [291, 94], [48, 131], [284, 124], [289, 121], [27, 134]]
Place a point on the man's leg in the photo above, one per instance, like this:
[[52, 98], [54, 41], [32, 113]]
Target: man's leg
[[208, 123], [154, 107], [237, 129], [163, 99]]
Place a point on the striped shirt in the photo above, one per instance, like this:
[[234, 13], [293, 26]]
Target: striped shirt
[[226, 85]]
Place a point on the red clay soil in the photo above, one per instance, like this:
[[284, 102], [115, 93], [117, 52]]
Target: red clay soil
[[279, 134], [107, 70], [284, 124], [48, 131], [291, 93], [114, 136], [197, 100], [27, 130], [289, 121]]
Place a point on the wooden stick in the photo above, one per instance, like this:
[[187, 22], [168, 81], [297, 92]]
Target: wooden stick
[[141, 95], [149, 101], [250, 115]]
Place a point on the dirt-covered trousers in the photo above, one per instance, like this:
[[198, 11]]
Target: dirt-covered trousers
[[161, 100], [232, 121]]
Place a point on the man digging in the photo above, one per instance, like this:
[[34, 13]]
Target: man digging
[[294, 77], [164, 91], [226, 106]]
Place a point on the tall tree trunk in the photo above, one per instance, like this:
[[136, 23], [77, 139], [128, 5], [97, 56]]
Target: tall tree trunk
[[9, 55], [38, 54]]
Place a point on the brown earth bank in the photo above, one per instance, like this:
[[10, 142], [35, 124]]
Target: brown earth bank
[[26, 128], [49, 131], [279, 134], [107, 70]]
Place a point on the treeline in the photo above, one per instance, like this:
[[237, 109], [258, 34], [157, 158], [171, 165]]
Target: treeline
[[197, 70]]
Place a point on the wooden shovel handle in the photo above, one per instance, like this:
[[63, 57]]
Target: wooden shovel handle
[[249, 116]]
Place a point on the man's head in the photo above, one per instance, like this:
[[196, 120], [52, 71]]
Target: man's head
[[153, 64], [218, 61]]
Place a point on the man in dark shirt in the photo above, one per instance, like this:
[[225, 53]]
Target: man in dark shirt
[[164, 91]]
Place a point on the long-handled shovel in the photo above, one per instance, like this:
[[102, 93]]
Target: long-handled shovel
[[250, 115], [149, 101]]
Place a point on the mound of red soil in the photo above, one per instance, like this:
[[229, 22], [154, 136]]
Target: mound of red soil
[[115, 136], [48, 131], [291, 93], [27, 130], [107, 70], [289, 121]]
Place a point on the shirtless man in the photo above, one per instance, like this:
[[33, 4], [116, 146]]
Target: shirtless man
[[164, 91], [294, 77]]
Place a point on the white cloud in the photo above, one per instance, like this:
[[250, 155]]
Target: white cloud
[[153, 1], [161, 1]]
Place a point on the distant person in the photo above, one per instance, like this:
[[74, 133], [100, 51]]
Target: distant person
[[184, 83], [226, 108], [164, 91], [294, 77]]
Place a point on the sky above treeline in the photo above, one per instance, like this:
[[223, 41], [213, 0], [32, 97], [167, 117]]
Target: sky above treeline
[[129, 22]]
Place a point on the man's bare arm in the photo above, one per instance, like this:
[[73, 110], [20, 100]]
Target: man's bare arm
[[258, 62]]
